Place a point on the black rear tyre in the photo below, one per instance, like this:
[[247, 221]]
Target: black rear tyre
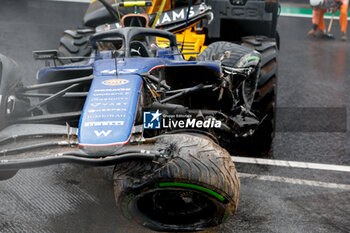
[[75, 43], [196, 188]]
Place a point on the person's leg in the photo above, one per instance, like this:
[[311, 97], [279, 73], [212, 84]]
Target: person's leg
[[343, 19], [316, 13], [321, 24]]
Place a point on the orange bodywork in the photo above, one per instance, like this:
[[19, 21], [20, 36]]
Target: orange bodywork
[[191, 38], [192, 42]]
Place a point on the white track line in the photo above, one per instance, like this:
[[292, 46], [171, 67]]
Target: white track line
[[293, 164], [295, 181], [306, 16]]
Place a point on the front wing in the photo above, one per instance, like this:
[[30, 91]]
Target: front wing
[[35, 145]]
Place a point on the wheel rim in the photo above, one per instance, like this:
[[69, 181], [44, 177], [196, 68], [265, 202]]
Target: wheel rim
[[177, 206]]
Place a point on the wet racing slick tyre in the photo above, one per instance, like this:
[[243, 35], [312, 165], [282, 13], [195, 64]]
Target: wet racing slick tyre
[[9, 81], [195, 188], [264, 105], [75, 43]]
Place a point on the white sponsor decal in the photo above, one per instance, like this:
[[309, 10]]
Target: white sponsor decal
[[112, 89], [125, 71], [191, 12], [106, 116], [108, 104], [175, 16], [179, 15], [106, 94], [102, 132], [107, 71], [109, 99], [166, 18], [103, 123], [107, 110]]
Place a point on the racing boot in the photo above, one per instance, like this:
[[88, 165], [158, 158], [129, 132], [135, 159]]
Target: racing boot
[[343, 36], [313, 30]]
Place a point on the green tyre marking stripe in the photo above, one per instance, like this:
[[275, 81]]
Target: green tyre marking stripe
[[253, 58], [192, 186], [226, 215]]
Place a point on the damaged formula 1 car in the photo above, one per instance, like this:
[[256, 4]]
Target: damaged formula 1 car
[[197, 26], [123, 106]]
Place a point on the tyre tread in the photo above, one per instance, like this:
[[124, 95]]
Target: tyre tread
[[198, 160]]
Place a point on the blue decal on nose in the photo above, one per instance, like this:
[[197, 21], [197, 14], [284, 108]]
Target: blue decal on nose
[[109, 111]]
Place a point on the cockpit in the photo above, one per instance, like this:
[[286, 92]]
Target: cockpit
[[136, 42]]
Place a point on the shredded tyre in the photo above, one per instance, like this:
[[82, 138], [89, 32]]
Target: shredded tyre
[[263, 101], [238, 56], [264, 105], [195, 188], [215, 50]]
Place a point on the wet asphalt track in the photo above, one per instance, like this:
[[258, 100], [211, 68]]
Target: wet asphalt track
[[312, 73]]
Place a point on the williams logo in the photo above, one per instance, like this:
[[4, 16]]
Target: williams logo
[[115, 82], [102, 133], [151, 120]]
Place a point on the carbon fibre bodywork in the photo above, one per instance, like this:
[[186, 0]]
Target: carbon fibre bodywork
[[94, 109]]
